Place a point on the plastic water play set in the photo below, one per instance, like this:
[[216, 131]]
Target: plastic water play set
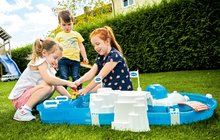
[[129, 110]]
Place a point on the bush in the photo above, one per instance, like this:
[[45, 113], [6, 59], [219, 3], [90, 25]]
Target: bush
[[179, 35], [174, 35], [21, 56]]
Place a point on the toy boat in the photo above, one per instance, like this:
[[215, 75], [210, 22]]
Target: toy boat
[[154, 106]]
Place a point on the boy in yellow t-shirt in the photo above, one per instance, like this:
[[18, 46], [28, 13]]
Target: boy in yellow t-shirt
[[71, 41]]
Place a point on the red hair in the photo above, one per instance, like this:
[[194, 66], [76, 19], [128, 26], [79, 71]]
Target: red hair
[[105, 33]]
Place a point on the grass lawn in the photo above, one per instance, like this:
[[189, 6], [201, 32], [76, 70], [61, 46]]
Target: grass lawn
[[203, 82]]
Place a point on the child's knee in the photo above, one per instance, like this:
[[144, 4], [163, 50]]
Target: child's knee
[[48, 89]]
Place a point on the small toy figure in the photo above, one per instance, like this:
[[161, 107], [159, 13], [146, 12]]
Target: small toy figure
[[74, 93]]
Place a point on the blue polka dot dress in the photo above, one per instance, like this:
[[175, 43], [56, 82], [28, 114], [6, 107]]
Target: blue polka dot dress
[[118, 78]]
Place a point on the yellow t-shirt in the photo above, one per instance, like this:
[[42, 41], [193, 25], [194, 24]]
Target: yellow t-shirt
[[70, 43]]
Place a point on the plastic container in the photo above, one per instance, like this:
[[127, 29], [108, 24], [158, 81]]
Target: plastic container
[[62, 110]]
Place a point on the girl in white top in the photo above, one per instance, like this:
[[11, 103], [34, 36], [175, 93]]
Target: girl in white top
[[38, 81]]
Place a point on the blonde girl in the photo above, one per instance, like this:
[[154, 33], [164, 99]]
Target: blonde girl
[[38, 81], [110, 64]]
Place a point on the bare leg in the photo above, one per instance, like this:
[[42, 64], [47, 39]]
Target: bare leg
[[39, 93]]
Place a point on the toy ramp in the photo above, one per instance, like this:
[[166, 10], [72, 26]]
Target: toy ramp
[[197, 106], [10, 66]]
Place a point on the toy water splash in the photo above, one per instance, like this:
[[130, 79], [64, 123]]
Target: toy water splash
[[130, 110]]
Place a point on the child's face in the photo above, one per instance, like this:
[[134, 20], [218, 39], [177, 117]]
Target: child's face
[[53, 58], [101, 47], [66, 27]]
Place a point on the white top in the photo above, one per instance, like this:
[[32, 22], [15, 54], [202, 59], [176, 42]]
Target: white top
[[29, 78]]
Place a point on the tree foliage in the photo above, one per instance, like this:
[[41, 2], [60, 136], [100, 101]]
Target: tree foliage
[[92, 12], [66, 4], [174, 35]]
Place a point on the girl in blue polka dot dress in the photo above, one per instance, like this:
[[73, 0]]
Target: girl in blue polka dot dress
[[110, 64]]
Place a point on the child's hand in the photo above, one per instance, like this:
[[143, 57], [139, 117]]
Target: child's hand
[[85, 60], [82, 92], [72, 85], [77, 82]]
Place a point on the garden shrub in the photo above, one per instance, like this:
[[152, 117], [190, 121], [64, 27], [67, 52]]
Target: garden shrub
[[174, 35], [21, 56]]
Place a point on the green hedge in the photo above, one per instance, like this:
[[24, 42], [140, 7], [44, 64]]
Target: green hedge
[[21, 56], [174, 35], [179, 35]]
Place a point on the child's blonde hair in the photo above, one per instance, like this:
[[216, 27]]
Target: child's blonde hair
[[39, 45], [104, 33]]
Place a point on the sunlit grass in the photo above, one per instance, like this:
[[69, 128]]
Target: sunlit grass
[[206, 81]]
